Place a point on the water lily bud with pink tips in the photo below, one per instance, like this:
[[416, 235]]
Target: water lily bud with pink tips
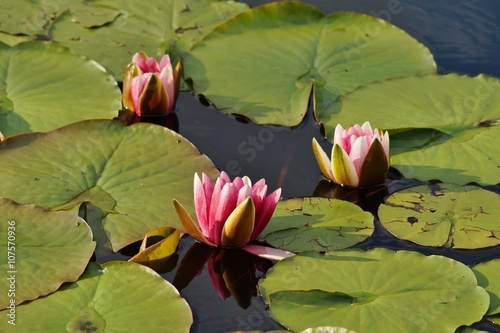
[[150, 88], [360, 156], [230, 213]]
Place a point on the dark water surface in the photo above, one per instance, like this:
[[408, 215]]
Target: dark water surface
[[464, 37]]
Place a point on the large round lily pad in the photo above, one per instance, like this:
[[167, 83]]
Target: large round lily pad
[[442, 126], [111, 31], [318, 224], [39, 250], [120, 179], [375, 291], [115, 297], [44, 86], [280, 50], [462, 217], [488, 277]]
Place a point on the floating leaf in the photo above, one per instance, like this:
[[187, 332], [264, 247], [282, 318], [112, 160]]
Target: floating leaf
[[120, 179], [488, 277], [115, 297], [280, 50], [375, 291], [44, 86], [318, 224], [158, 244], [462, 217], [111, 31], [39, 250], [443, 126]]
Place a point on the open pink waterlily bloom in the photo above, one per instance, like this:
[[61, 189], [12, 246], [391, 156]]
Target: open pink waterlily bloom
[[360, 156], [230, 213], [150, 88]]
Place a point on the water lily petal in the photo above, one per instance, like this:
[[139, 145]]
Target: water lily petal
[[188, 224], [269, 253], [177, 80], [259, 192], [167, 79], [130, 72], [358, 152], [243, 193], [338, 136], [221, 208], [153, 100], [323, 160], [375, 166], [265, 212], [343, 168], [239, 225], [139, 59], [366, 129], [385, 144], [202, 202]]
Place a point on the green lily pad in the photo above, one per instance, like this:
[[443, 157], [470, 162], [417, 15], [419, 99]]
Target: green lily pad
[[488, 277], [115, 297], [39, 250], [44, 86], [461, 217], [12, 40], [318, 224], [111, 31], [280, 50], [120, 179], [375, 291], [442, 126]]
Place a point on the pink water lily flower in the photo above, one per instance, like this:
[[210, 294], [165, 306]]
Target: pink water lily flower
[[150, 88], [360, 156], [230, 213]]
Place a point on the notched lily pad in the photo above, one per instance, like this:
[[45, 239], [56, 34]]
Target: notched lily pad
[[120, 179], [39, 251], [318, 224], [454, 216], [44, 86], [115, 297], [280, 50], [488, 277], [442, 127], [400, 291], [155, 27]]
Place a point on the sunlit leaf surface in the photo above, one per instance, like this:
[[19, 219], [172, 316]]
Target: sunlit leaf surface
[[462, 217], [120, 179], [111, 31], [488, 277], [443, 126], [39, 250], [115, 297], [375, 291], [44, 86], [318, 224], [280, 50]]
